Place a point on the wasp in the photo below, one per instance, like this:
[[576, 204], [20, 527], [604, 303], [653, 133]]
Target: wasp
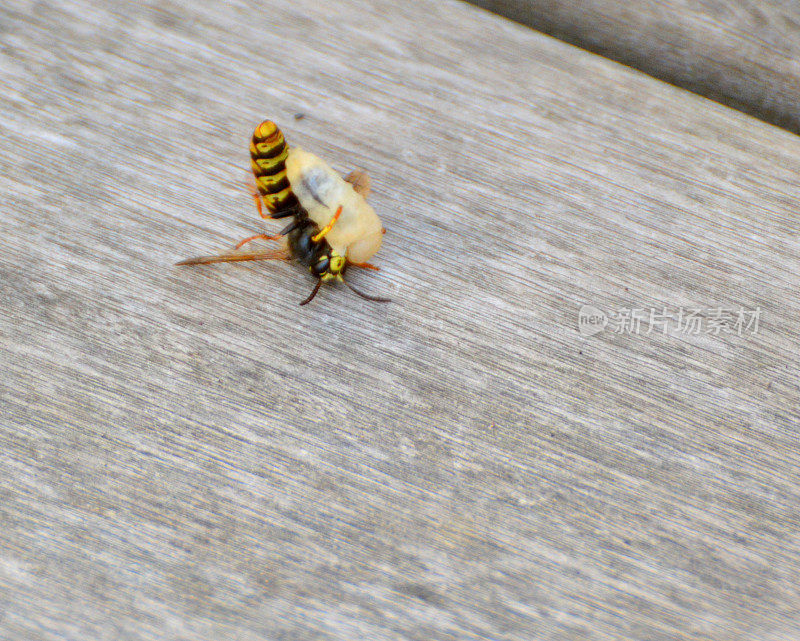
[[332, 227]]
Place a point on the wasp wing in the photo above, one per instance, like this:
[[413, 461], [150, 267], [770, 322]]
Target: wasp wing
[[360, 180], [235, 257]]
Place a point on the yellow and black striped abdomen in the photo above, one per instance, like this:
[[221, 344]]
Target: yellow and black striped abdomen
[[268, 153]]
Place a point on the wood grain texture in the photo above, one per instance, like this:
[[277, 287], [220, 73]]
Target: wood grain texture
[[186, 454], [745, 54]]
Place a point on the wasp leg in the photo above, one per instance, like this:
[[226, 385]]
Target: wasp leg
[[251, 187], [264, 236], [313, 293], [364, 265], [324, 231], [283, 232]]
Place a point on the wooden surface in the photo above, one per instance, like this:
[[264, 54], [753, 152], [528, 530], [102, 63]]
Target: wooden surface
[[743, 53], [187, 454]]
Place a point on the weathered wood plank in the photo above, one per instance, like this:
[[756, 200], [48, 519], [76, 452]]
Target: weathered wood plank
[[744, 54], [187, 454]]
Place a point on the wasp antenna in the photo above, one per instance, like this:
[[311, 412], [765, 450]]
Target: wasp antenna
[[366, 296], [324, 231], [312, 294]]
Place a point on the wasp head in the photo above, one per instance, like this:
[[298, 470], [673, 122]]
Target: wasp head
[[329, 266]]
